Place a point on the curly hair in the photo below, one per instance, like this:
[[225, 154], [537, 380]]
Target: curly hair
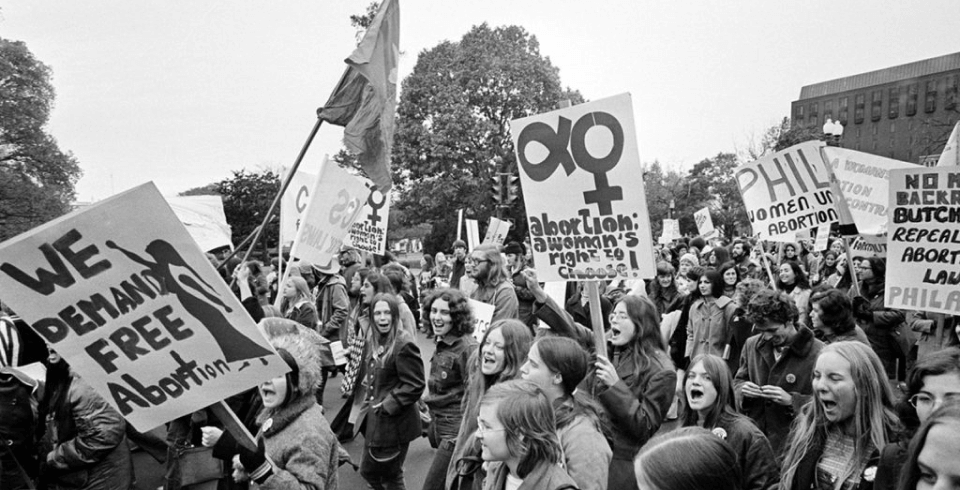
[[771, 306], [461, 316], [837, 311], [747, 289]]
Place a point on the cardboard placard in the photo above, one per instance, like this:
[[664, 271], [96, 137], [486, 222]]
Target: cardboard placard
[[293, 205], [138, 311], [497, 231], [583, 189], [482, 316], [204, 219], [787, 191], [923, 240], [705, 223], [369, 232]]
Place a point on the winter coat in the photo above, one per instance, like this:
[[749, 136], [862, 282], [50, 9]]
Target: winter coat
[[708, 330], [801, 298], [586, 453], [806, 474], [525, 300], [883, 329], [87, 443], [502, 297], [793, 372], [758, 465], [581, 313], [304, 313], [299, 441], [544, 476], [333, 308], [393, 386]]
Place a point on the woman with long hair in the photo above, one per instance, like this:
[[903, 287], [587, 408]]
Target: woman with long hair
[[932, 462], [792, 280], [836, 438], [503, 350], [711, 404], [881, 324], [518, 436], [297, 303], [557, 365], [690, 458], [831, 316], [730, 274], [392, 381], [828, 267], [663, 289], [636, 383], [708, 329], [451, 322]]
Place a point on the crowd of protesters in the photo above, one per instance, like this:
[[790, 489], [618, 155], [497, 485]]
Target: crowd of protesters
[[739, 366]]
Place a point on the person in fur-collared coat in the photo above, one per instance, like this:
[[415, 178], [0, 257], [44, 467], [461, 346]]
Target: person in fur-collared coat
[[296, 447]]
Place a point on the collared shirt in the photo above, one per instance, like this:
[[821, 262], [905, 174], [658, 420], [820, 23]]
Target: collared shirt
[[449, 373]]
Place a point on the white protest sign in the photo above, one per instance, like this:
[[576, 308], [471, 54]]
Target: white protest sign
[[482, 316], [670, 231], [864, 182], [923, 240], [496, 231], [704, 223], [369, 232], [823, 238], [137, 311], [787, 191], [583, 186], [293, 205], [473, 234], [336, 204], [204, 219], [869, 246]]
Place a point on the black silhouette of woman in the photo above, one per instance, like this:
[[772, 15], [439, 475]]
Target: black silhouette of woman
[[235, 345]]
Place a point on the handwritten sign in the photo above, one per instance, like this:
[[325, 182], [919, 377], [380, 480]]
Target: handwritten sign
[[137, 311], [337, 202], [369, 232], [787, 191], [923, 240], [863, 181], [496, 231], [869, 246], [583, 186], [823, 238], [482, 316], [704, 223]]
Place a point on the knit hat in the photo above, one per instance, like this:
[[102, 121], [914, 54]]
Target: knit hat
[[689, 258]]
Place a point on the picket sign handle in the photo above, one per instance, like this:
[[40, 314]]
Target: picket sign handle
[[233, 425], [596, 317], [853, 270], [766, 265]]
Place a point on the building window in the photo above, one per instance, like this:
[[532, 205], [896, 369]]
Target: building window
[[950, 93], [799, 116], [814, 112], [893, 103], [876, 104], [858, 109], [813, 121], [930, 99], [912, 100], [844, 102], [828, 110]]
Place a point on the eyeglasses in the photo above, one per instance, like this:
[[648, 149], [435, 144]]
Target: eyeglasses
[[481, 430], [472, 260], [923, 401]]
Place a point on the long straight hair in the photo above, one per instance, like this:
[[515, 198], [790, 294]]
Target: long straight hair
[[529, 423], [516, 345], [303, 294], [716, 368], [566, 357], [647, 342], [389, 341], [874, 416]]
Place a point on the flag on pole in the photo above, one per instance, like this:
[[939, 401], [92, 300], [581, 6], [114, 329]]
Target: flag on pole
[[951, 152], [365, 100]]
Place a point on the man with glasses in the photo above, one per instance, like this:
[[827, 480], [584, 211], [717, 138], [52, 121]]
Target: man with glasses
[[776, 366], [486, 267]]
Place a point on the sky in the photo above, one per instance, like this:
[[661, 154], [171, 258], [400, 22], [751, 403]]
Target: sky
[[182, 93]]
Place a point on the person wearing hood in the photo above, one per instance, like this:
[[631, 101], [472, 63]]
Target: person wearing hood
[[296, 449]]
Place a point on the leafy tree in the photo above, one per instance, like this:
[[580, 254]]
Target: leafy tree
[[36, 178], [712, 183], [246, 198], [453, 131]]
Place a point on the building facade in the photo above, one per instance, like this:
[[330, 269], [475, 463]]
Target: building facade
[[903, 112]]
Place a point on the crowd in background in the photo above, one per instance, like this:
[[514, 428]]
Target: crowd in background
[[739, 366]]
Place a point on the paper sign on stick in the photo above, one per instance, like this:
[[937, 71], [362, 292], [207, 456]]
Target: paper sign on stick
[[137, 311], [705, 223], [583, 186], [787, 191], [369, 233], [293, 205], [204, 219], [823, 237], [923, 240], [869, 246], [482, 316], [473, 233], [497, 231], [336, 204]]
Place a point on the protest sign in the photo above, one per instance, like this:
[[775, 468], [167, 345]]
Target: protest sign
[[823, 238], [482, 316], [293, 204], [863, 183], [583, 187], [496, 231], [204, 219], [704, 223], [369, 232], [869, 246], [337, 202], [787, 191], [923, 240], [473, 234], [138, 311]]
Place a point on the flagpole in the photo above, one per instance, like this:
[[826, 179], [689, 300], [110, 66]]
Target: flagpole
[[283, 188]]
